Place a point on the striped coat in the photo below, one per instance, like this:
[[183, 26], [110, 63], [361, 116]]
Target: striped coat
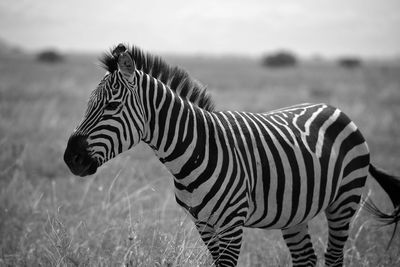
[[232, 169]]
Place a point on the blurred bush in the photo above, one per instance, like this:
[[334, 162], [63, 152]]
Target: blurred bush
[[349, 62], [50, 56], [279, 59]]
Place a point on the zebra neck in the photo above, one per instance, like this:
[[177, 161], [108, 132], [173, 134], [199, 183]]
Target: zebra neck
[[174, 126]]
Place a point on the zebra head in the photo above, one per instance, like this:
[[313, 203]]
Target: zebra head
[[113, 121]]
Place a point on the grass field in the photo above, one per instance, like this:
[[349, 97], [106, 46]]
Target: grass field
[[126, 213]]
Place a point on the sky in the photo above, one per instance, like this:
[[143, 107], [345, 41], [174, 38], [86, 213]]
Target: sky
[[369, 28]]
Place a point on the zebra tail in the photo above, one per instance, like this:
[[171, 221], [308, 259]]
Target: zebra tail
[[391, 185]]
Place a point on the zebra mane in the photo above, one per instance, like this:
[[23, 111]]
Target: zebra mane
[[175, 77]]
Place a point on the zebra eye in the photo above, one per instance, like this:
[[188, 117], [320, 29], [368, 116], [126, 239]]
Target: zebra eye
[[112, 105]]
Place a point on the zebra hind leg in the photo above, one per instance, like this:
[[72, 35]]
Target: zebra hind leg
[[299, 243], [339, 215]]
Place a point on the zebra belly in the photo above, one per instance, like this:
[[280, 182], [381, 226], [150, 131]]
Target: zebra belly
[[287, 202]]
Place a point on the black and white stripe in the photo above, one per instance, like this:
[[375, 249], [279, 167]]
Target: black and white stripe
[[233, 169], [274, 171]]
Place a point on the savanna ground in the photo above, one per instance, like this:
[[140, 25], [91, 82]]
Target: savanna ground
[[126, 213]]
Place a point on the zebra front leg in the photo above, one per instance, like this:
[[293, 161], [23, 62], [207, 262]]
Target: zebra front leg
[[230, 241], [223, 246], [299, 243], [210, 239]]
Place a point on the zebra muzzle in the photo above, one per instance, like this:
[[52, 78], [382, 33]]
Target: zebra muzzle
[[77, 157]]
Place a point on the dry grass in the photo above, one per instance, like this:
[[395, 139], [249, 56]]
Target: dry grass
[[126, 213]]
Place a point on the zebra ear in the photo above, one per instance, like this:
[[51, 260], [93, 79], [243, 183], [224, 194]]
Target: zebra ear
[[126, 64], [118, 50]]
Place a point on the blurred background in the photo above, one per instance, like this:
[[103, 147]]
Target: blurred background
[[252, 55], [309, 28]]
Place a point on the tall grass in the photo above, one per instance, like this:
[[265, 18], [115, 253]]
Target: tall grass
[[126, 214]]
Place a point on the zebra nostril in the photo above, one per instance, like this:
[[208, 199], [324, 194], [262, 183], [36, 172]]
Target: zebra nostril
[[77, 156], [77, 159]]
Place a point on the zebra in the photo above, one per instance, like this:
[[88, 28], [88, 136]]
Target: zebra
[[232, 169]]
